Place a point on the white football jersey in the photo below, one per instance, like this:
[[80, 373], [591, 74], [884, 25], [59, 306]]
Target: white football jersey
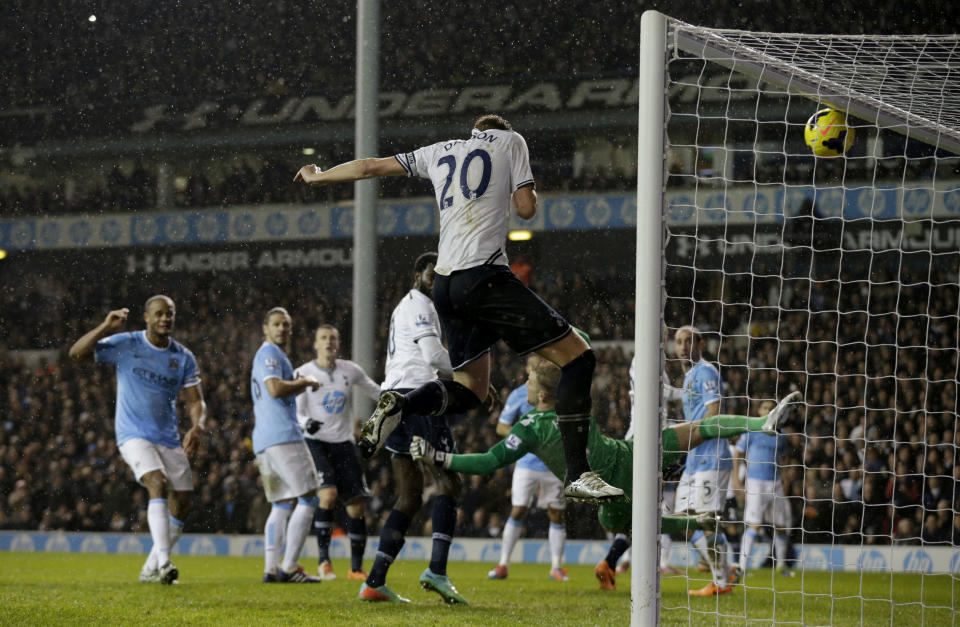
[[474, 181], [332, 402], [413, 319]]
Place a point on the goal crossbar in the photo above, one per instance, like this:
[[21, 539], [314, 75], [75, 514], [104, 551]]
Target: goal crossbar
[[806, 76]]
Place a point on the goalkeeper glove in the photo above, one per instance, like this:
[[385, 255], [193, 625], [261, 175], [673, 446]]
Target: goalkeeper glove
[[421, 450]]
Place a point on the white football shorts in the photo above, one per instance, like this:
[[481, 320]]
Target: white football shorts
[[287, 471], [144, 456], [701, 492], [765, 501], [541, 484]]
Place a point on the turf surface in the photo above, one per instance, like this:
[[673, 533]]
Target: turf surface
[[81, 589]]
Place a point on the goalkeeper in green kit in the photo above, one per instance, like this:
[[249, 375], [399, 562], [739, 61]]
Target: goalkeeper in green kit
[[537, 433]]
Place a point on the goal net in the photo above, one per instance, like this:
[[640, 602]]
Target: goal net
[[835, 276]]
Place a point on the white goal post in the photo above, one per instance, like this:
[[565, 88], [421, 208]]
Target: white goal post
[[734, 208]]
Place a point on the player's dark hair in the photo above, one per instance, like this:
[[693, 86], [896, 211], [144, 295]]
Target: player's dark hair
[[275, 310], [491, 120], [423, 261], [155, 297]]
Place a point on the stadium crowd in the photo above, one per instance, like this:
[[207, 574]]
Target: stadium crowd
[[59, 56], [872, 457], [131, 56]]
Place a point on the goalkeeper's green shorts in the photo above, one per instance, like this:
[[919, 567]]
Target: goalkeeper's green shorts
[[617, 515]]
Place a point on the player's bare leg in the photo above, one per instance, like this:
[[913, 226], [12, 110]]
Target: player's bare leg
[[577, 363]]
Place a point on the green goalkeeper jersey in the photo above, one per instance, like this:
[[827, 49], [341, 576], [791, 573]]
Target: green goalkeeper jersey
[[537, 433]]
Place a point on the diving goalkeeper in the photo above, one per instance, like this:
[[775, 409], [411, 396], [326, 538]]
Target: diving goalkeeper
[[537, 433]]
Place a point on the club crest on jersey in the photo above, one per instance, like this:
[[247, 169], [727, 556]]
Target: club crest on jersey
[[174, 364]]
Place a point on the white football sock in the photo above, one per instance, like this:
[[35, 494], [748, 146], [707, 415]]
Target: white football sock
[[158, 519], [702, 546], [176, 530], [558, 537], [745, 546], [780, 541], [274, 533], [297, 530], [721, 576], [665, 544], [511, 533]]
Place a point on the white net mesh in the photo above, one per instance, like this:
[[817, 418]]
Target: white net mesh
[[837, 277]]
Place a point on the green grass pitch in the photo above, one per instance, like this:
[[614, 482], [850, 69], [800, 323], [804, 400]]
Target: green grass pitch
[[80, 589]]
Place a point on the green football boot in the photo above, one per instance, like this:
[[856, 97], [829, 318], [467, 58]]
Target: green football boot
[[442, 585]]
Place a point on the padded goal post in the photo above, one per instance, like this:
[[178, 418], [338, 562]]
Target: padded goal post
[[837, 277]]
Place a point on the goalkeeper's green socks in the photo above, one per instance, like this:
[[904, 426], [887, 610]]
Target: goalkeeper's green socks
[[727, 426]]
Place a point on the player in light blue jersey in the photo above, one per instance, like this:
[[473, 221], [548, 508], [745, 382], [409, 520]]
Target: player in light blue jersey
[[286, 466], [764, 493], [531, 478], [152, 368], [703, 485]]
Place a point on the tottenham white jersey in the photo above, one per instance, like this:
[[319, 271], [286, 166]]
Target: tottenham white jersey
[[331, 403], [413, 319], [474, 181]]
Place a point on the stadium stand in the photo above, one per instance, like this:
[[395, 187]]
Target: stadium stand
[[59, 467]]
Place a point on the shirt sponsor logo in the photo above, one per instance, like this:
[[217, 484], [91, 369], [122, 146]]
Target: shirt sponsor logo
[[334, 402], [153, 377]]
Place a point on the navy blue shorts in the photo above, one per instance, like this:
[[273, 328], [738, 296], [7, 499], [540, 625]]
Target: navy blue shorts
[[338, 467], [481, 305], [433, 429]]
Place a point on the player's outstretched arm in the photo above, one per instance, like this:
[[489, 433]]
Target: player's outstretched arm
[[471, 464], [350, 171], [82, 349], [197, 411], [279, 388]]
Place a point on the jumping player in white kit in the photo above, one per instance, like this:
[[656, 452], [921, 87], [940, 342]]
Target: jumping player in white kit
[[326, 418], [477, 297]]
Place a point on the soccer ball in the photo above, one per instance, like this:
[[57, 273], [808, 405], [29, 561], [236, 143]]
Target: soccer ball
[[827, 133]]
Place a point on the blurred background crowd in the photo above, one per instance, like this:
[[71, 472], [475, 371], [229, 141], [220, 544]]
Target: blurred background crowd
[[872, 455], [870, 339], [260, 50]]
